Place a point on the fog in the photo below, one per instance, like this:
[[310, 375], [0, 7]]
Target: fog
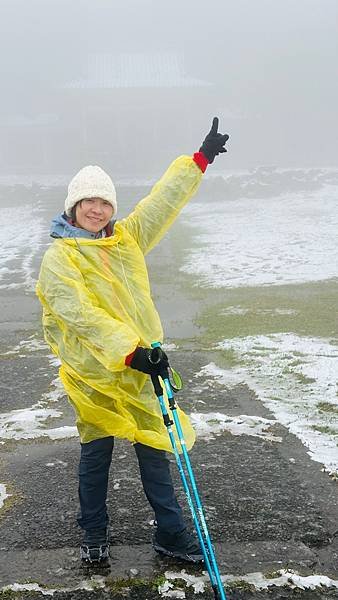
[[132, 84]]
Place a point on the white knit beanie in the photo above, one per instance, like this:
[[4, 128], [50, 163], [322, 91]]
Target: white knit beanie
[[90, 182]]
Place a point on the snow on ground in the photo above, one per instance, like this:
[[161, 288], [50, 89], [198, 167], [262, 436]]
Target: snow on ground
[[32, 344], [29, 423], [3, 494], [171, 587], [22, 229], [257, 241], [291, 238], [253, 241], [258, 580], [170, 347], [296, 379], [206, 425], [239, 310], [93, 583]]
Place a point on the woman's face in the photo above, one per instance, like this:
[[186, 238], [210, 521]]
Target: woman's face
[[93, 214]]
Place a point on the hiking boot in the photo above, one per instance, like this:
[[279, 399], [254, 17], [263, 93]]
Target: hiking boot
[[182, 545], [95, 547]]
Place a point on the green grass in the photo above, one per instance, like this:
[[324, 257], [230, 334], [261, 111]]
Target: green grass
[[19, 595], [240, 585], [314, 306], [306, 309], [118, 585], [272, 574], [303, 378], [325, 429], [327, 407]]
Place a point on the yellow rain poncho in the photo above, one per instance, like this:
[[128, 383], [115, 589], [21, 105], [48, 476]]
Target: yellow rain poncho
[[97, 308]]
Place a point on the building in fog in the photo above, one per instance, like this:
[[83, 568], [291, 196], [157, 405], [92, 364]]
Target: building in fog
[[128, 108], [130, 113]]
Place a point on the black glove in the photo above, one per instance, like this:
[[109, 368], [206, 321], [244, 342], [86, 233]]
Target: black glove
[[143, 357], [214, 142]]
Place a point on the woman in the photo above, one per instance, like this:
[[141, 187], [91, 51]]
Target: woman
[[100, 320]]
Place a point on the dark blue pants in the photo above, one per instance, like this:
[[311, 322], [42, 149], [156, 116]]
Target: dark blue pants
[[156, 479]]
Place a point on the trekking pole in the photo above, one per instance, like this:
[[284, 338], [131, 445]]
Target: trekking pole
[[198, 517]]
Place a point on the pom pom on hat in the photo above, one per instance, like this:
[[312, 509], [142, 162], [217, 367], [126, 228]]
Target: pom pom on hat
[[90, 182]]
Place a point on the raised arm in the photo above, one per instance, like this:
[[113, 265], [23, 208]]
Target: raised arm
[[153, 215]]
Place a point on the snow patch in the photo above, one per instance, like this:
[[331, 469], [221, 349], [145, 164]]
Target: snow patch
[[291, 238], [283, 577], [28, 587], [17, 252], [214, 423], [56, 463], [286, 578], [54, 395], [197, 583], [96, 581], [294, 377], [31, 345], [3, 494], [239, 310], [170, 347], [167, 590], [27, 423]]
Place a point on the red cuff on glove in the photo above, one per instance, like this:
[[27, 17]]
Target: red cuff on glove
[[201, 161], [129, 358]]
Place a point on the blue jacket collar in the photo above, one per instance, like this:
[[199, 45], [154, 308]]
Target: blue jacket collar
[[61, 228]]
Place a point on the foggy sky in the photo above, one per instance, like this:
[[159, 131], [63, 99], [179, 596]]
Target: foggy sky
[[274, 64]]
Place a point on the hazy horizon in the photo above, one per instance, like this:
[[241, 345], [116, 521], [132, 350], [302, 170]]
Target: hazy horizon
[[271, 70]]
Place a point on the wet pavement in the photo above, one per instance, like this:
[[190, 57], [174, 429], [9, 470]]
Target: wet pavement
[[269, 507]]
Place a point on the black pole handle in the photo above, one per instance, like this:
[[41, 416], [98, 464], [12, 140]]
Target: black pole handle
[[155, 355], [157, 386]]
